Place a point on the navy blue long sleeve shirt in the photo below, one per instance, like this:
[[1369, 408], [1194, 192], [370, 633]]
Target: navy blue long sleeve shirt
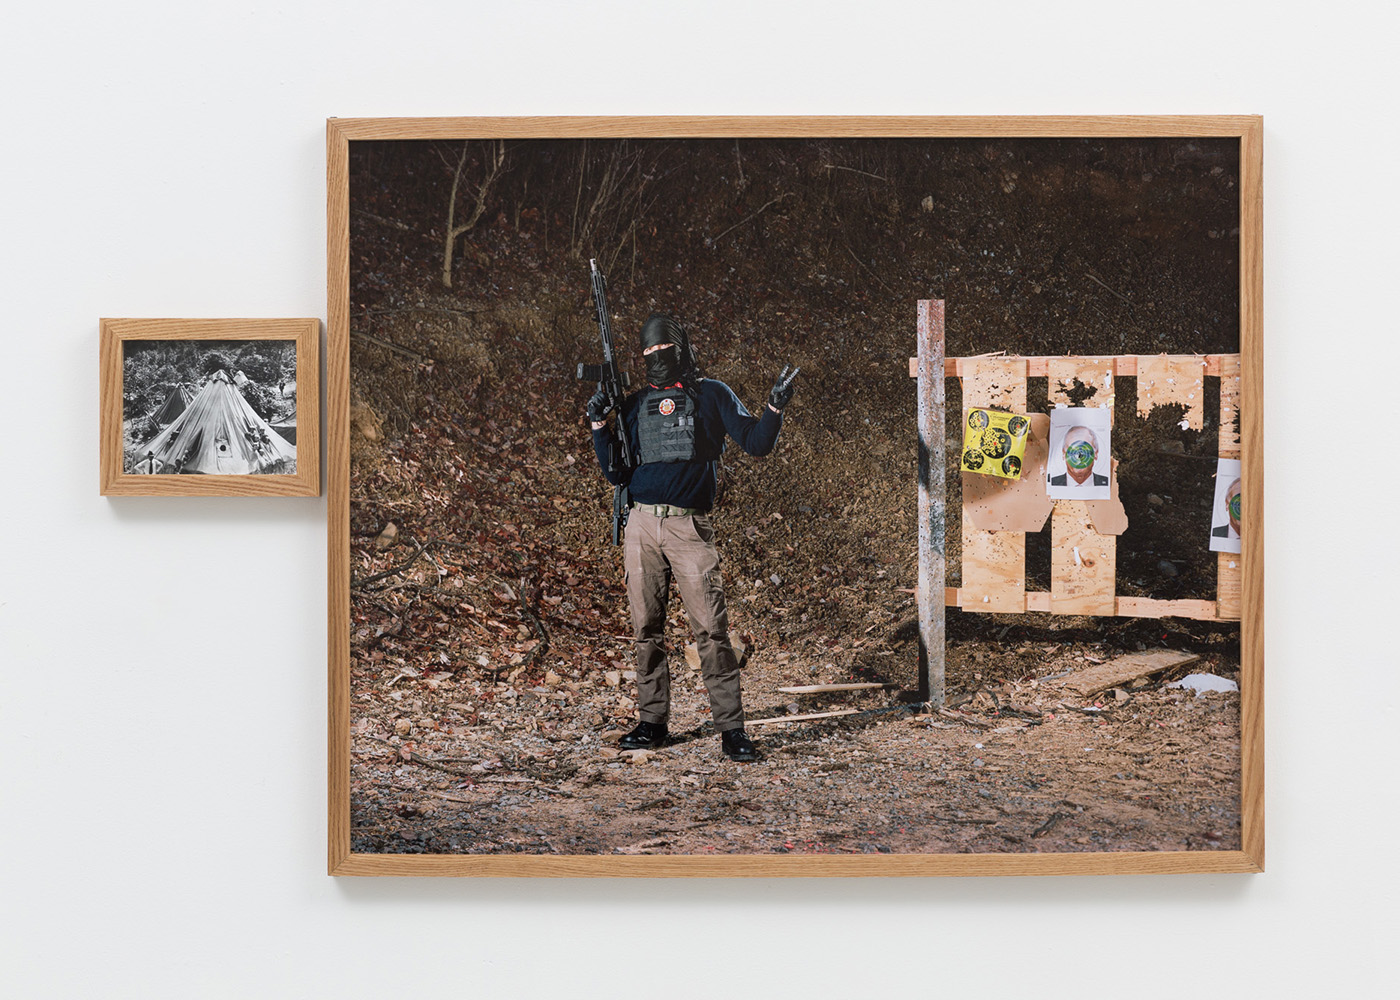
[[690, 483]]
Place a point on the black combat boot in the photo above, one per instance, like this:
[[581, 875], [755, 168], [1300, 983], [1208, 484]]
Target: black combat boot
[[737, 745], [647, 736]]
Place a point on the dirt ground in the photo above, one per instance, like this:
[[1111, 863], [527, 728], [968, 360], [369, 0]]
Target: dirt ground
[[540, 773], [490, 645]]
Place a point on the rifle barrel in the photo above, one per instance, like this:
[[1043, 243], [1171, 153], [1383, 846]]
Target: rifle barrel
[[614, 384]]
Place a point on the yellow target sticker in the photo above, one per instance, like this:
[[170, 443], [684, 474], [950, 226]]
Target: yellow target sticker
[[994, 443]]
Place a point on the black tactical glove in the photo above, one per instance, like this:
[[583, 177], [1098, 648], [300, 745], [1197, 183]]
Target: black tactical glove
[[783, 388], [598, 408]]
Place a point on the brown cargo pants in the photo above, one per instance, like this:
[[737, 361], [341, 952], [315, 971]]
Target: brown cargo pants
[[655, 550]]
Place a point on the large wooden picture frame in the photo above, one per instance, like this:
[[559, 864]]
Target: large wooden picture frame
[[341, 133], [303, 337]]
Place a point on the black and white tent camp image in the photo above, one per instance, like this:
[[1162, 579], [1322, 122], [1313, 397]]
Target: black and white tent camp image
[[218, 434], [174, 405], [209, 408]]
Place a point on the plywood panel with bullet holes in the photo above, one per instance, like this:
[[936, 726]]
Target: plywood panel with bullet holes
[[1228, 565], [1097, 373], [1230, 406], [996, 504], [1163, 379], [993, 570], [1037, 366], [1227, 585], [1108, 516], [993, 562], [996, 383], [1083, 563]]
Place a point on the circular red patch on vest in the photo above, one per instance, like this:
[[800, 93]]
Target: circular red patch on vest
[[667, 407]]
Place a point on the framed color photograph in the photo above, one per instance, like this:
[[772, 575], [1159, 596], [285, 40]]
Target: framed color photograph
[[649, 548], [210, 407]]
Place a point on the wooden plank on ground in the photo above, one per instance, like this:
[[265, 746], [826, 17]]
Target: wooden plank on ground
[[823, 688], [993, 562], [1164, 379], [1083, 563], [1125, 669], [783, 720]]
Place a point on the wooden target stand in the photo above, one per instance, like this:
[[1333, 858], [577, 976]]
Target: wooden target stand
[[1083, 561]]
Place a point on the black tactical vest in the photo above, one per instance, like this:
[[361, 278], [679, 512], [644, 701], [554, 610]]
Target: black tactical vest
[[666, 425]]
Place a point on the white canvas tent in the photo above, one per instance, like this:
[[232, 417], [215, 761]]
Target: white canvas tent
[[218, 434], [174, 405], [287, 427]]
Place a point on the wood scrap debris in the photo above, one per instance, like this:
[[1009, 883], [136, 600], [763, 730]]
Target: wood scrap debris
[[1094, 709], [824, 688], [451, 798], [1055, 819], [966, 720], [783, 720], [1125, 669], [644, 847], [978, 820]]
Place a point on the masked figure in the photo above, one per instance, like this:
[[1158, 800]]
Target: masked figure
[[677, 424]]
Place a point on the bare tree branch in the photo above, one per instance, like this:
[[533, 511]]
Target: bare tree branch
[[762, 208], [496, 161]]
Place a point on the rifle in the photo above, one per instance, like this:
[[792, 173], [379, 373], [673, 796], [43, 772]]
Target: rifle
[[614, 383]]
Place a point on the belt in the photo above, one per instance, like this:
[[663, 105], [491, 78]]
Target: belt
[[666, 510]]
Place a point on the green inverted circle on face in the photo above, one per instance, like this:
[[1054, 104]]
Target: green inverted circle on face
[[1234, 506], [1080, 455]]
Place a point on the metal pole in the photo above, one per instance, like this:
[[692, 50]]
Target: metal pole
[[932, 503]]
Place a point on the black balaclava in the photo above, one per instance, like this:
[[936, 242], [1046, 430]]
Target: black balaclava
[[668, 366]]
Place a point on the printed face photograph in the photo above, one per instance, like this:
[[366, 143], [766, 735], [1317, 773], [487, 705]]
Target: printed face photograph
[[209, 407], [1227, 507], [633, 496], [1080, 463]]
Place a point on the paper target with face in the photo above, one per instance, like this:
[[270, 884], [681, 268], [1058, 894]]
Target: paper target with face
[[1080, 463], [994, 443], [1225, 512]]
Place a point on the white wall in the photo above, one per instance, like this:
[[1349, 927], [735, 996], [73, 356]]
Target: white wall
[[163, 795]]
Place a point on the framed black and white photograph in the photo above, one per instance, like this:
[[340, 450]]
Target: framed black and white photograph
[[210, 407], [649, 550]]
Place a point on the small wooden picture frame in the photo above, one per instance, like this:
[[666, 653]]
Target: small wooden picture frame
[[179, 415]]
